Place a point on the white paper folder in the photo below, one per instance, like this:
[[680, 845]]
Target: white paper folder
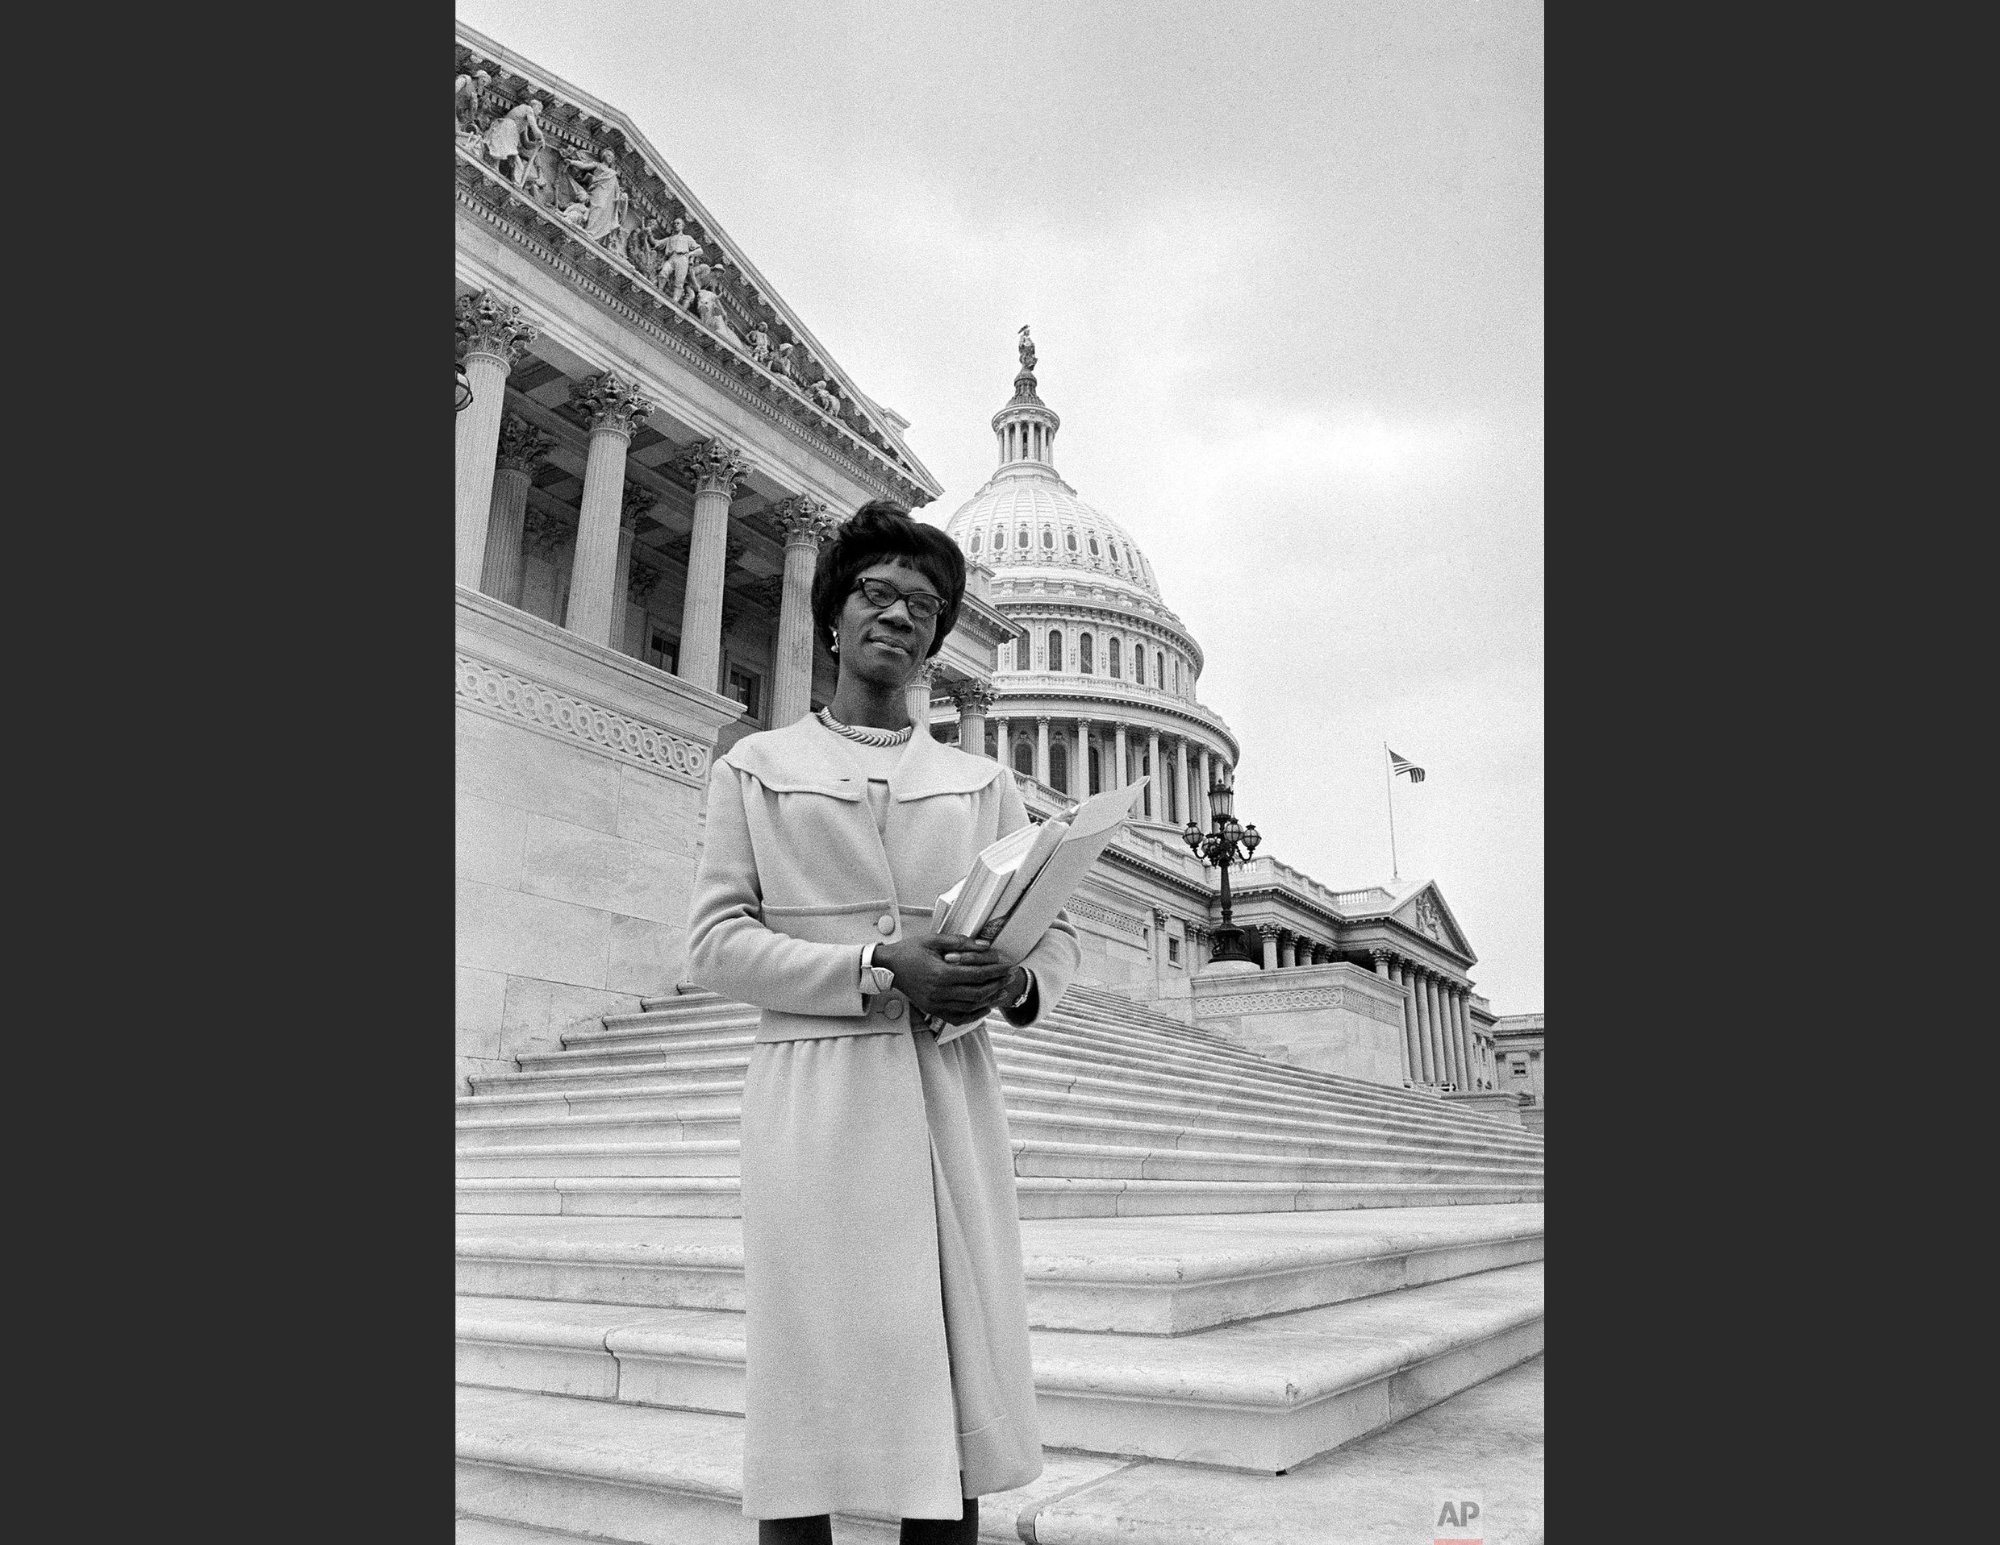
[[1096, 821]]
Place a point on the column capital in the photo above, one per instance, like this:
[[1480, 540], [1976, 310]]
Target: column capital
[[1042, 719], [545, 534], [610, 402], [804, 520], [1269, 930], [714, 465], [637, 501], [523, 447], [1387, 957], [486, 324], [971, 696], [640, 582]]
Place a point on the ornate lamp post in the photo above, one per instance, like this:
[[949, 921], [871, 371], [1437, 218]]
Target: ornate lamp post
[[1230, 843]]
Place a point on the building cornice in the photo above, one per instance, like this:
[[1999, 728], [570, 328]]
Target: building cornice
[[578, 265]]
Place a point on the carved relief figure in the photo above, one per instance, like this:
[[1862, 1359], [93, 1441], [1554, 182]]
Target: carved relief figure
[[600, 204], [760, 344], [708, 306], [781, 363], [677, 250], [512, 141], [822, 394], [466, 104]]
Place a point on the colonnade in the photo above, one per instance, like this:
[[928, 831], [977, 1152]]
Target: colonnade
[[1181, 767], [1438, 1037], [496, 457]]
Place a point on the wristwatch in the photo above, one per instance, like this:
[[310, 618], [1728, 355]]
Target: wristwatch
[[1026, 992], [874, 979]]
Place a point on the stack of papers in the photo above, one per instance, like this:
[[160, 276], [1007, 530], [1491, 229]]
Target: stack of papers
[[1029, 881]]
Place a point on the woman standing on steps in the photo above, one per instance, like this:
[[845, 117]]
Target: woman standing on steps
[[886, 1339]]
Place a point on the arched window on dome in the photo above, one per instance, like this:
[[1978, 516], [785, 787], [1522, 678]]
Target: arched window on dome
[[1024, 758], [1160, 659], [1048, 539], [1096, 772], [999, 538], [1086, 661], [1111, 657], [975, 542], [1177, 675], [1114, 549], [1055, 649], [1139, 665], [1023, 543], [1094, 550], [1059, 766], [1069, 539]]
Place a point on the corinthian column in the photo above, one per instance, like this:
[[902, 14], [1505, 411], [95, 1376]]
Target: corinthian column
[[1119, 779], [637, 502], [715, 467], [1003, 744], [805, 523], [612, 408], [973, 699], [1201, 793], [1440, 1059], [1042, 748], [1157, 786], [523, 448], [494, 336], [1464, 1033], [1184, 806], [1269, 933], [1387, 972]]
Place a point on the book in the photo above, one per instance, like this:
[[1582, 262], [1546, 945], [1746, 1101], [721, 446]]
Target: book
[[1089, 830], [997, 878]]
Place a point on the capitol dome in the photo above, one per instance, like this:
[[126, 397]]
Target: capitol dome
[[1098, 689]]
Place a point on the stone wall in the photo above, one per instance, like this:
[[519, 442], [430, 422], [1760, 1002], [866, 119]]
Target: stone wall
[[1336, 1018], [581, 776]]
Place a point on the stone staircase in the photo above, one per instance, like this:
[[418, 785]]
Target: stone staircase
[[1231, 1263]]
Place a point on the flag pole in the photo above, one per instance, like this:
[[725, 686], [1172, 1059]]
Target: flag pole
[[1395, 870]]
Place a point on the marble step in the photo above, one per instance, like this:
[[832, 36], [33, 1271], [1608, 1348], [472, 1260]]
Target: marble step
[[1032, 1157], [709, 1069], [541, 1468], [616, 1474], [1054, 1101], [1265, 1394], [717, 1196], [1140, 1276], [532, 1130]]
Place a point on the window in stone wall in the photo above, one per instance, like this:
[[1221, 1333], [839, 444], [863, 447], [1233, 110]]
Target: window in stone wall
[[1160, 659], [745, 688], [1096, 771], [1139, 665], [975, 543], [1093, 549], [1059, 767], [1069, 540], [664, 651], [1086, 658], [1048, 539], [1024, 758], [1023, 543], [1055, 649], [1111, 650], [1173, 950], [1177, 675]]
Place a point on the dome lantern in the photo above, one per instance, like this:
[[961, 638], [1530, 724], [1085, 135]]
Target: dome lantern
[[1025, 430]]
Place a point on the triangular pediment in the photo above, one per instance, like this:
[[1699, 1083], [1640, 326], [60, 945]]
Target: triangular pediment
[[1424, 912], [646, 196]]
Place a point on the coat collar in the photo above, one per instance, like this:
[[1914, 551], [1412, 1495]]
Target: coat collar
[[794, 759]]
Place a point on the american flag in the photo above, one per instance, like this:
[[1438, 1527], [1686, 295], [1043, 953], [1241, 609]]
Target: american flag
[[1398, 765]]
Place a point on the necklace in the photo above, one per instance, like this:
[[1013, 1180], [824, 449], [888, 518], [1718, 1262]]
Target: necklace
[[864, 734]]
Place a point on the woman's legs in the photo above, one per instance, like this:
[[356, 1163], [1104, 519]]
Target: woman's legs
[[941, 1531], [817, 1529]]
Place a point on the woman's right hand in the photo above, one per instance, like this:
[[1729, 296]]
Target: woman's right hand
[[964, 987]]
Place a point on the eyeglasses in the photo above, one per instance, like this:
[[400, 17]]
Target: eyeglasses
[[880, 594]]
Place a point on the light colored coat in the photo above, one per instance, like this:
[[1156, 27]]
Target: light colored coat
[[885, 1314]]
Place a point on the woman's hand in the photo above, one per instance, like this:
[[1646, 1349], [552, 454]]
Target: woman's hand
[[952, 976]]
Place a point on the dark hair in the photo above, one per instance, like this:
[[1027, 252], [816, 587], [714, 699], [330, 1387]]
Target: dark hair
[[878, 531]]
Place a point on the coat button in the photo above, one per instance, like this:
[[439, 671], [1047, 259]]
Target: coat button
[[886, 922], [893, 1008]]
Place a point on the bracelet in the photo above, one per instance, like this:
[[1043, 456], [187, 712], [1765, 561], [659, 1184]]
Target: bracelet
[[1026, 992]]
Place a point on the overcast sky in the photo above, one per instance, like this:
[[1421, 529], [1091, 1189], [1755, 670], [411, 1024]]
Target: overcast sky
[[1283, 264]]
